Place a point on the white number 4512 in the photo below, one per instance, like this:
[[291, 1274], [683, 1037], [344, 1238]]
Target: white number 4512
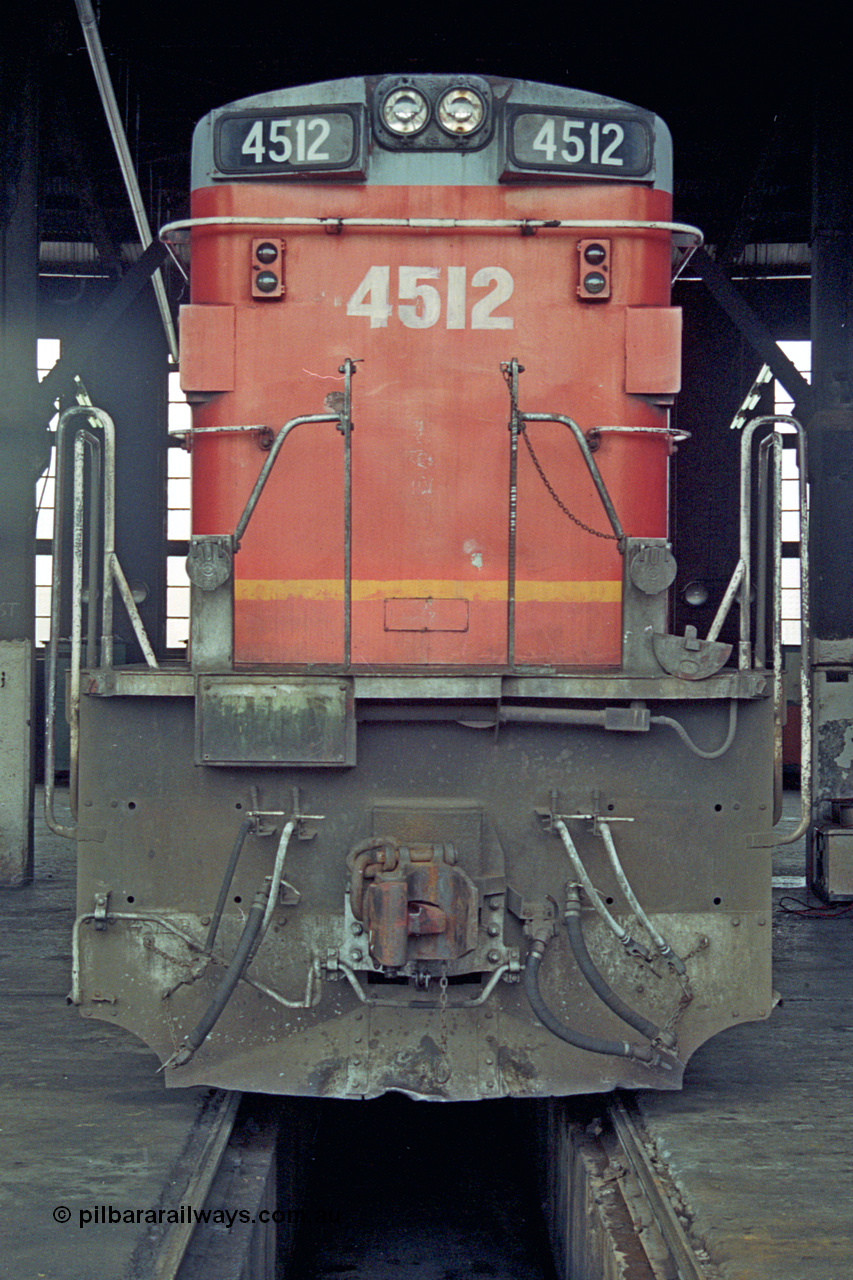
[[420, 302]]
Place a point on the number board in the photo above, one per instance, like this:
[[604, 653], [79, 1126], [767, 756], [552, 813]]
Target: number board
[[615, 146], [283, 141]]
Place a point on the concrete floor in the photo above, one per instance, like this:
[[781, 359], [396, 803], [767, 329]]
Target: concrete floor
[[759, 1141], [84, 1119]]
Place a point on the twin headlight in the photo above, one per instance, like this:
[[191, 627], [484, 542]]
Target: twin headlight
[[459, 112]]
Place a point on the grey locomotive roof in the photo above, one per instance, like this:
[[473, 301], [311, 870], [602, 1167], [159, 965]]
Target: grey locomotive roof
[[421, 168]]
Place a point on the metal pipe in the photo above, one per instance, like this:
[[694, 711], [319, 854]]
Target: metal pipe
[[278, 872], [111, 572], [806, 709], [109, 537], [726, 602], [657, 938], [592, 467], [514, 370], [75, 995], [106, 422], [108, 99], [285, 431], [348, 370], [552, 715], [53, 643], [779, 707], [132, 611], [688, 741], [444, 224], [630, 944], [92, 570], [592, 1044], [83, 440], [605, 993], [760, 648], [379, 1002]]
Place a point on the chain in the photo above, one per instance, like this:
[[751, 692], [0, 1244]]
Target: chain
[[442, 1005], [610, 537]]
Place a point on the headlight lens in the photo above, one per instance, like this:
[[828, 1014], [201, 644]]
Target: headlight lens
[[405, 111], [461, 111]]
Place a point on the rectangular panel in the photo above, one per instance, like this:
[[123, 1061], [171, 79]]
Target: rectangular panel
[[615, 145], [426, 614], [653, 350], [274, 721], [207, 348], [286, 141]]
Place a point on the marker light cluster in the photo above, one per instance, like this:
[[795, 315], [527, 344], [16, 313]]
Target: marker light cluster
[[267, 268], [594, 279]]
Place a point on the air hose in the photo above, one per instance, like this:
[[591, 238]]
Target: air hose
[[605, 993], [245, 828], [612, 1048], [234, 972]]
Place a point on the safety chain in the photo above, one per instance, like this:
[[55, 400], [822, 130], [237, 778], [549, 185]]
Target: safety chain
[[442, 1005], [609, 537]]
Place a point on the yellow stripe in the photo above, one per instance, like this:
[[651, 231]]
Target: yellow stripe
[[332, 589]]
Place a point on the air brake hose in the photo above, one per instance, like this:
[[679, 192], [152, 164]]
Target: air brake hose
[[245, 828], [605, 993], [233, 974], [613, 1048]]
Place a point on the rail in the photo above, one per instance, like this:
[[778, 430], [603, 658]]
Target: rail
[[198, 1188], [677, 1242], [526, 225], [686, 239], [101, 583]]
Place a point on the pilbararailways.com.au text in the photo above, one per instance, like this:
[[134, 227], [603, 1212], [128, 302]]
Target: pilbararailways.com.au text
[[185, 1214]]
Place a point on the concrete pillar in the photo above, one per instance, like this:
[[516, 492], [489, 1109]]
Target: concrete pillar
[[830, 433]]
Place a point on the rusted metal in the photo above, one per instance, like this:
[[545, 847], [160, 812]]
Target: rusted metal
[[420, 908], [611, 1207]]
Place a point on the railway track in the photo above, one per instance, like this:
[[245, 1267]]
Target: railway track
[[612, 1212], [612, 1208]]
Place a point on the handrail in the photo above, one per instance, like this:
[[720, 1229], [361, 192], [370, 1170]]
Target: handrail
[[805, 607], [511, 370], [740, 586], [525, 225], [583, 445], [111, 573], [254, 496], [343, 419]]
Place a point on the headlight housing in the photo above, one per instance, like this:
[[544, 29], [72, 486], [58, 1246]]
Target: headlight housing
[[405, 111], [461, 111]]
